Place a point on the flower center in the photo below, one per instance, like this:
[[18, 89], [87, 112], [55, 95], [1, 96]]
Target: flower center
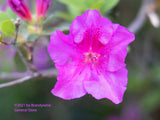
[[90, 57]]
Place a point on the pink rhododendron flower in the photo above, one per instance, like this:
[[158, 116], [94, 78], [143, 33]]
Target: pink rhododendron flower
[[19, 7], [91, 58], [42, 8]]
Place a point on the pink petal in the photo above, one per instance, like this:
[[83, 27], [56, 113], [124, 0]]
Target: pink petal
[[61, 48], [114, 53], [117, 59], [121, 37], [70, 81], [112, 61], [111, 85], [88, 20]]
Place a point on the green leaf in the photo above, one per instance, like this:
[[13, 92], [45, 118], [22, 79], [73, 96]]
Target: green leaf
[[75, 11], [109, 4], [62, 27], [8, 28], [49, 31], [0, 37], [49, 19], [32, 37], [97, 5], [80, 4], [4, 16], [64, 15], [75, 7]]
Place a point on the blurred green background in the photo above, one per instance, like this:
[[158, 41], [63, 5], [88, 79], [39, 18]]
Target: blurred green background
[[142, 98]]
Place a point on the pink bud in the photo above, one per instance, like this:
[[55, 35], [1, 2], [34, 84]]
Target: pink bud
[[42, 8], [19, 7]]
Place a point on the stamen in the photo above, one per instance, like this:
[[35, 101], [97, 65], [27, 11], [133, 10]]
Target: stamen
[[91, 57], [68, 60], [95, 58]]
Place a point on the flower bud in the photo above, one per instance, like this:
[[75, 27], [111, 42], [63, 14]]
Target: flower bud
[[42, 8], [19, 7]]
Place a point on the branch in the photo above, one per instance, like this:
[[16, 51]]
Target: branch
[[18, 81], [49, 73], [17, 24], [52, 73], [11, 76], [141, 17]]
